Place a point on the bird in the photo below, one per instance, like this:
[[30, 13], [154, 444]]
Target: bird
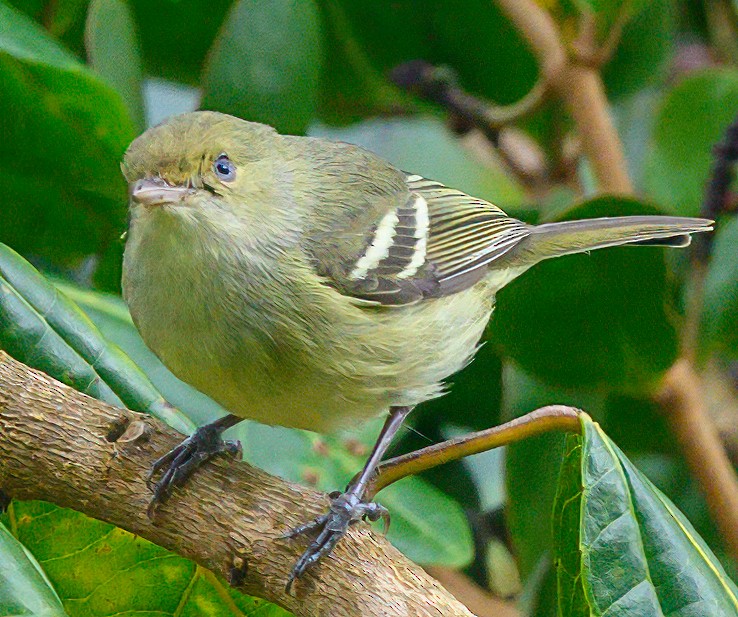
[[311, 284]]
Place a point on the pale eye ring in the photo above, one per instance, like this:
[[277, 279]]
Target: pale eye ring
[[224, 168]]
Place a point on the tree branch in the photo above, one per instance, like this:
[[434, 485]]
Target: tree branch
[[682, 395], [439, 84], [687, 414], [579, 86], [61, 446]]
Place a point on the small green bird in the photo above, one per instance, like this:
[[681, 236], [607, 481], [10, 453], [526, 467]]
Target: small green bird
[[311, 284]]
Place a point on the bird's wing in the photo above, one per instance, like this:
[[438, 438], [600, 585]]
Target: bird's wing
[[436, 242]]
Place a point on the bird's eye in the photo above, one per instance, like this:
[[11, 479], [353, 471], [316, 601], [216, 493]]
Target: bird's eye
[[224, 168]]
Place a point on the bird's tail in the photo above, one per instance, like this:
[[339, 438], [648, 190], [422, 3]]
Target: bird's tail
[[556, 239]]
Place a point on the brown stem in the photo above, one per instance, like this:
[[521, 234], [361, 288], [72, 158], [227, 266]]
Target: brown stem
[[683, 392], [543, 420], [580, 87], [439, 84], [55, 445], [681, 397]]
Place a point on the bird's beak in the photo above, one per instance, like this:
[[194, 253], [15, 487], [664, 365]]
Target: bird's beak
[[156, 192]]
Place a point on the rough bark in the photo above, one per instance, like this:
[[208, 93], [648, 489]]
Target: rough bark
[[57, 445]]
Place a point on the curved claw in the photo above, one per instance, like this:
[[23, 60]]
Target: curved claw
[[345, 510], [376, 511], [181, 462]]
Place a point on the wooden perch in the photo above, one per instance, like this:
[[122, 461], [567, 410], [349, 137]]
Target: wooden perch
[[64, 447]]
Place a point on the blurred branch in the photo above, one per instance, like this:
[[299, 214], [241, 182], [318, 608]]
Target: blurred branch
[[439, 85], [683, 391], [579, 85], [682, 398], [718, 200], [59, 445], [597, 55]]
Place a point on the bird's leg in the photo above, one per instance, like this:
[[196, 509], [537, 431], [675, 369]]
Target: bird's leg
[[180, 463], [348, 507]]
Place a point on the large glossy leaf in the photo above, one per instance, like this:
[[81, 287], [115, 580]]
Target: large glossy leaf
[[603, 319], [352, 87], [99, 570], [177, 34], [623, 548], [63, 19], [24, 588], [481, 44], [692, 118], [532, 465], [63, 194], [389, 32], [42, 328], [265, 63], [720, 312], [114, 54], [642, 56]]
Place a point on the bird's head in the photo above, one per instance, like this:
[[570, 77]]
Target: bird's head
[[205, 167]]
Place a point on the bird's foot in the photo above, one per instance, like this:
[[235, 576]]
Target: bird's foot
[[181, 462], [345, 510]]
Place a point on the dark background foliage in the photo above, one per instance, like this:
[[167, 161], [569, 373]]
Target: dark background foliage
[[81, 79]]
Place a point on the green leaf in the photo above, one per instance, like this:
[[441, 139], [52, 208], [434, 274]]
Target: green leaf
[[265, 63], [388, 31], [114, 54], [480, 43], [473, 398], [603, 319], [99, 570], [567, 514], [418, 509], [352, 87], [24, 588], [692, 119], [177, 34], [720, 304], [42, 328], [622, 546], [63, 193], [532, 466], [645, 48], [62, 19]]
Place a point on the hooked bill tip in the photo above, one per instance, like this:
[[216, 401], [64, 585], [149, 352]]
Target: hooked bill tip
[[156, 192]]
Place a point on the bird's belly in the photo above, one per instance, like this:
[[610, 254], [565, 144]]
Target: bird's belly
[[302, 357], [269, 381]]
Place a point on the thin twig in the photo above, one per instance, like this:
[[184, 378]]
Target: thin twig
[[439, 84], [596, 55], [543, 420], [580, 87]]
